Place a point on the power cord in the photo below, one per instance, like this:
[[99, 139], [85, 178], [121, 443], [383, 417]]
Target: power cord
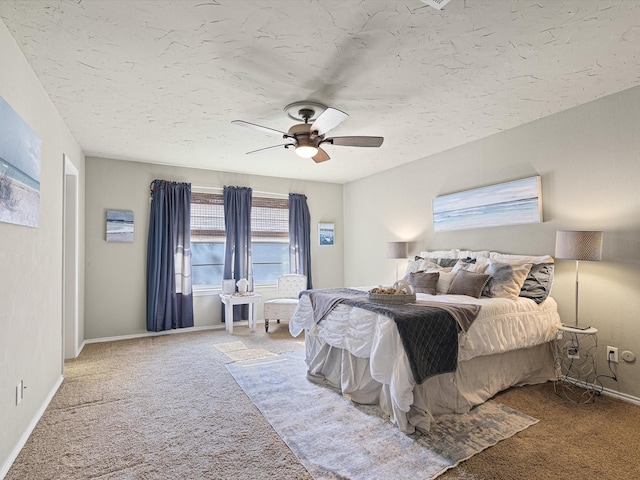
[[613, 375]]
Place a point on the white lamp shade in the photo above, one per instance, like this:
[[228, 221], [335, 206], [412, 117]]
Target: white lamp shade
[[579, 245], [397, 249]]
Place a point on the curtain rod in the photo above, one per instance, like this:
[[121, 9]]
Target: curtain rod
[[219, 189]]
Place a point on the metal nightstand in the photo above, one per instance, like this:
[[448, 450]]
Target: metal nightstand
[[576, 361]]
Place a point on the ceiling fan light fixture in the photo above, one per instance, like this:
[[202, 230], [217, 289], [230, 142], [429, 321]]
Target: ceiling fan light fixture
[[306, 151]]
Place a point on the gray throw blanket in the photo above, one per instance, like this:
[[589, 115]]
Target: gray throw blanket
[[428, 330], [323, 301]]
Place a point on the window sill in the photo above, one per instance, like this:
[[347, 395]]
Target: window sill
[[208, 290], [205, 290]]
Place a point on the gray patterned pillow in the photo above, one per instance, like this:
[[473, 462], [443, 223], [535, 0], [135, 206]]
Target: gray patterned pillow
[[446, 262], [538, 283]]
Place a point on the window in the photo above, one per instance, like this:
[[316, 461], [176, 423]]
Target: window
[[269, 238]]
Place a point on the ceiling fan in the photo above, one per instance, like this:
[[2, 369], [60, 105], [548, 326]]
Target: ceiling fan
[[307, 137]]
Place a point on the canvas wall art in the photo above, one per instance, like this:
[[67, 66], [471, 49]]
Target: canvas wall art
[[119, 226], [509, 203], [20, 157], [326, 233]]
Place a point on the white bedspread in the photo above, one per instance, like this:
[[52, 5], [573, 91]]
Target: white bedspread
[[502, 325]]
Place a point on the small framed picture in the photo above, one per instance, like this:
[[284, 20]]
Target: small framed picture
[[326, 234], [228, 286], [119, 226]]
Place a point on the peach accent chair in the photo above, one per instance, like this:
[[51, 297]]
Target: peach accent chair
[[283, 307]]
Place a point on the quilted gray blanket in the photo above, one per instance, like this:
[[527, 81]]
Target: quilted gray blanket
[[428, 330]]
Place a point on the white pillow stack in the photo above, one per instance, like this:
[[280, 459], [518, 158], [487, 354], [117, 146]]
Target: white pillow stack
[[508, 272]]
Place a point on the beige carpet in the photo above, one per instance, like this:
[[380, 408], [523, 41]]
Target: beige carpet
[[167, 408]]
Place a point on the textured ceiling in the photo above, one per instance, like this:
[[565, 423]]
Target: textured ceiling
[[161, 80]]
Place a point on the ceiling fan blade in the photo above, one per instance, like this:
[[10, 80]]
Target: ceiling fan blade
[[321, 156], [270, 131], [260, 150], [328, 120], [355, 141]]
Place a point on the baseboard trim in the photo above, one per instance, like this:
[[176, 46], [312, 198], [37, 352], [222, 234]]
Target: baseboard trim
[[621, 396], [176, 331], [606, 391], [27, 433]]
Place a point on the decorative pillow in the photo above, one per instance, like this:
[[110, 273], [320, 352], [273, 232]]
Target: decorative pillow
[[471, 265], [506, 279], [444, 282], [538, 283], [424, 282], [468, 283]]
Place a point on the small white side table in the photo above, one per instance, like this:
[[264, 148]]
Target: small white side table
[[230, 300], [576, 357]]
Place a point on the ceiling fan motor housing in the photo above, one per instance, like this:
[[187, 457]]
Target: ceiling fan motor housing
[[304, 136]]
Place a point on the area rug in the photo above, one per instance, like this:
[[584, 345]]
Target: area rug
[[334, 438]]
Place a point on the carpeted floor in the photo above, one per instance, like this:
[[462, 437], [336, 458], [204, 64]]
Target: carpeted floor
[[166, 408]]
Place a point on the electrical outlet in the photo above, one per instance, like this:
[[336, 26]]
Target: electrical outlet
[[612, 354], [573, 351]]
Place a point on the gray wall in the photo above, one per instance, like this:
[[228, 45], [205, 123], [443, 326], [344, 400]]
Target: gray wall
[[115, 272], [31, 261], [589, 160]]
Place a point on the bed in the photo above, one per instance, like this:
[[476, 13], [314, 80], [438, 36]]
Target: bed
[[361, 352]]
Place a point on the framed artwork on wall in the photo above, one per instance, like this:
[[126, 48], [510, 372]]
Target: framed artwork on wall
[[326, 234], [20, 157], [509, 203], [119, 226]]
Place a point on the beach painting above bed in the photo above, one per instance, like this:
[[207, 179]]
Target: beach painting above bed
[[509, 203]]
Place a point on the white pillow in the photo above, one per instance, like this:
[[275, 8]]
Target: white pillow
[[520, 259], [453, 253], [412, 267], [473, 254], [429, 266]]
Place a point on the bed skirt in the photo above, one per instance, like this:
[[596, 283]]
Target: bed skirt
[[475, 381]]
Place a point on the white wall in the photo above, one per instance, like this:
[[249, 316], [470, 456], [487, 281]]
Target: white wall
[[31, 262], [115, 272], [589, 160]]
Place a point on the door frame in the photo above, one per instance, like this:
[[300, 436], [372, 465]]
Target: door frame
[[70, 262]]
